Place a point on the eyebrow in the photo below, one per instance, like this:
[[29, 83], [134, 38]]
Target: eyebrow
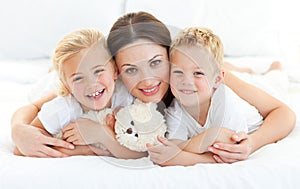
[[98, 66], [128, 65], [154, 57], [74, 74], [147, 61]]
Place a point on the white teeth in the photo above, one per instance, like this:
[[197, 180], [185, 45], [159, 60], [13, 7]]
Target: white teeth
[[95, 93], [187, 91], [149, 90]]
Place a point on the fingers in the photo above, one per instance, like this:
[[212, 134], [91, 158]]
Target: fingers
[[218, 159], [50, 152], [110, 121], [68, 127], [163, 140], [223, 160], [67, 134], [154, 148], [228, 152], [58, 143], [238, 137]]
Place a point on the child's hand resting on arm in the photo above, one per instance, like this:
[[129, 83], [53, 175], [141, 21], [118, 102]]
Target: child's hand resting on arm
[[230, 153]]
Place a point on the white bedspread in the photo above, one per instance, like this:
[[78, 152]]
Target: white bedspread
[[273, 166]]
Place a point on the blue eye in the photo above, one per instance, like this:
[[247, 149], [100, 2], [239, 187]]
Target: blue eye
[[130, 70], [155, 62]]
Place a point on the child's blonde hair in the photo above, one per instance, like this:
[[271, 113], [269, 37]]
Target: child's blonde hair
[[202, 37], [70, 45]]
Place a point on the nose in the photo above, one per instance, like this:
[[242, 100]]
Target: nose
[[186, 80], [92, 80]]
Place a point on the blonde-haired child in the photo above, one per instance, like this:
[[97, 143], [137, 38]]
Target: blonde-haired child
[[87, 81], [203, 102]]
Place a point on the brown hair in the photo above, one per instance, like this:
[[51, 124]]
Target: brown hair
[[134, 26]]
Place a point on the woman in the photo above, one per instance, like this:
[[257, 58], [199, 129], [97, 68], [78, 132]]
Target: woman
[[139, 39]]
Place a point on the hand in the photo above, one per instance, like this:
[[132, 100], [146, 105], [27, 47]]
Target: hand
[[230, 153], [35, 142], [82, 132], [110, 121], [162, 153]]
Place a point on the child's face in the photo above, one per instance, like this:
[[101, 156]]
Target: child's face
[[192, 76], [144, 69], [90, 76]]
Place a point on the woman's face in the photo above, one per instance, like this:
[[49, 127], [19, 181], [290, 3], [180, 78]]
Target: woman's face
[[144, 69]]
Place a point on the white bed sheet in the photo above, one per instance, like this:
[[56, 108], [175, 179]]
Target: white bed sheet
[[273, 166]]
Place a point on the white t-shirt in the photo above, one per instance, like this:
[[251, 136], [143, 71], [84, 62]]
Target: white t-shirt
[[227, 109], [60, 111]]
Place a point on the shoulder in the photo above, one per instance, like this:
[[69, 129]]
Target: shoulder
[[62, 104]]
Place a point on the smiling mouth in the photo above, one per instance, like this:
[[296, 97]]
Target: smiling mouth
[[150, 90], [96, 94], [184, 91]]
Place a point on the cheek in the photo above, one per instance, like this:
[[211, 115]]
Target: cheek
[[203, 85], [76, 90], [174, 81], [107, 80]]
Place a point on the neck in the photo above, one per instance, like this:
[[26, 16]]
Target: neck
[[199, 112]]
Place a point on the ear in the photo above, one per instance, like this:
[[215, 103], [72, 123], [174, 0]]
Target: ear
[[116, 72], [218, 79], [116, 75]]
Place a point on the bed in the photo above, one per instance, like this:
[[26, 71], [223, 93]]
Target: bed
[[27, 41], [273, 166]]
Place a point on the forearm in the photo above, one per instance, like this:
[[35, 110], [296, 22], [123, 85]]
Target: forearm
[[277, 125], [188, 159], [119, 151], [279, 119], [20, 119], [20, 116], [26, 114], [201, 142], [78, 150]]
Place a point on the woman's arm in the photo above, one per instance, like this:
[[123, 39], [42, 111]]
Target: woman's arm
[[201, 143], [33, 141], [279, 121]]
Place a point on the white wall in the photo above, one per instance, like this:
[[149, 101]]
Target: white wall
[[31, 28]]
